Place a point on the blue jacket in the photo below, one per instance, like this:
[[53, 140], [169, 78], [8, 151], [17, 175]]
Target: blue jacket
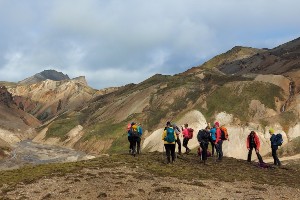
[[273, 141], [140, 130], [213, 134]]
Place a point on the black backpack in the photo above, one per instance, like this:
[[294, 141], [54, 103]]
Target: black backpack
[[278, 139]]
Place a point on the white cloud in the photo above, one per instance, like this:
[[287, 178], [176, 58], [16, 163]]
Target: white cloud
[[95, 37]]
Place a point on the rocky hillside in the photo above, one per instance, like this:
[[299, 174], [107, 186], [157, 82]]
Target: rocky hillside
[[46, 99], [199, 96], [15, 124], [44, 75]]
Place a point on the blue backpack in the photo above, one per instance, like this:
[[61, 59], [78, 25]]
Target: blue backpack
[[170, 135], [278, 139]]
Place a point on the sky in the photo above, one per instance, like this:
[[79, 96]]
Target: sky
[[116, 42]]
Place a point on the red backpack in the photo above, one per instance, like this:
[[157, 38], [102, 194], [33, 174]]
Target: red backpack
[[190, 133]]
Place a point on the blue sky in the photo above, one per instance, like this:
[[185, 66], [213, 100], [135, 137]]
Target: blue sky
[[116, 42]]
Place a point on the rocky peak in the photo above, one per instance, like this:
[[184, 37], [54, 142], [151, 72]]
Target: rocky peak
[[5, 97], [80, 79], [44, 75]]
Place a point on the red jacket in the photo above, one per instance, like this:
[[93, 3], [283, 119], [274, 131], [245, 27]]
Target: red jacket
[[218, 135], [256, 141]]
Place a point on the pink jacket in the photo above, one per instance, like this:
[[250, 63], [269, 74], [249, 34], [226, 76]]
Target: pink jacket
[[185, 133]]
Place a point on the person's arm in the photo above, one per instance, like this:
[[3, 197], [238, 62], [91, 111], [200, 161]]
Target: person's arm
[[257, 143], [164, 135], [247, 142]]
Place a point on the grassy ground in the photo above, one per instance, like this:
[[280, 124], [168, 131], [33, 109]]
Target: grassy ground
[[187, 167]]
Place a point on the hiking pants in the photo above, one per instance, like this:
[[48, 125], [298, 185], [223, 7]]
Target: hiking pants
[[138, 144], [185, 143], [212, 142], [204, 147], [179, 144], [274, 154], [250, 154], [134, 144], [170, 151], [130, 143], [219, 149]]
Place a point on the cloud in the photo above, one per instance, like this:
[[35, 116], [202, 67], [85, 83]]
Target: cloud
[[120, 38]]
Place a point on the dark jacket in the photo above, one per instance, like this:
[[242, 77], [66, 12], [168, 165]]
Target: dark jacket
[[203, 136], [273, 142]]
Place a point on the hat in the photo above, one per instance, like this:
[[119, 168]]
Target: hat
[[217, 124], [271, 130], [132, 123]]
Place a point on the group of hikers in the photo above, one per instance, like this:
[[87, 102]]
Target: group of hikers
[[210, 135]]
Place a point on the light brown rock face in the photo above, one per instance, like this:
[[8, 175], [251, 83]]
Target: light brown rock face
[[48, 98]]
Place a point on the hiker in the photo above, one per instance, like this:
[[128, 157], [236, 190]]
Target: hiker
[[203, 139], [169, 138], [129, 137], [140, 131], [274, 147], [186, 138], [134, 137], [253, 143], [178, 142], [213, 139], [218, 142]]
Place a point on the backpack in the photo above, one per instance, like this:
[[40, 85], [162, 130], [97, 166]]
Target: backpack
[[134, 132], [278, 139], [170, 135], [224, 133], [190, 133]]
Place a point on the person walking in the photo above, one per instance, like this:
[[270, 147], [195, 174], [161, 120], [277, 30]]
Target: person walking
[[138, 143], [129, 137], [169, 138], [274, 147], [213, 139], [218, 142], [178, 142], [186, 138], [134, 138], [253, 143], [203, 139]]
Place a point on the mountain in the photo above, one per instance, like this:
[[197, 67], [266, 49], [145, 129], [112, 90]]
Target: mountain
[[44, 75], [15, 124], [279, 60]]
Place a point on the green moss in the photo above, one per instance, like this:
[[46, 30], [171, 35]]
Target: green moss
[[235, 99], [60, 127], [287, 119]]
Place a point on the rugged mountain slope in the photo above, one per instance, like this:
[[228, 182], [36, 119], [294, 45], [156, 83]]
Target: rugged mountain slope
[[236, 53], [47, 98], [284, 58], [44, 75], [15, 124]]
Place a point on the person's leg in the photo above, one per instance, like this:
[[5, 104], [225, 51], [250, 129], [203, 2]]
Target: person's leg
[[185, 144], [220, 143], [179, 145], [250, 154], [168, 152], [259, 157], [274, 155], [204, 151], [276, 160], [212, 148], [130, 144], [134, 144], [172, 148]]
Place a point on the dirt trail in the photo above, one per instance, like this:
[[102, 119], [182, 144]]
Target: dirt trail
[[288, 158]]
